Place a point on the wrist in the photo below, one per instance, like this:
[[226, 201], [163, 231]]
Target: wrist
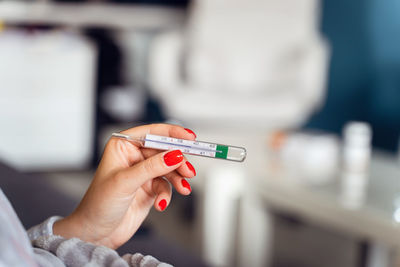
[[67, 227], [71, 227]]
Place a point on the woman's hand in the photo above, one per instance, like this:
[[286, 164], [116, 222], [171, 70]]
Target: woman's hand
[[127, 183]]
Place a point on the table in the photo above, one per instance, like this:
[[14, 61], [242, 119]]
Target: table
[[374, 222], [255, 189], [323, 204]]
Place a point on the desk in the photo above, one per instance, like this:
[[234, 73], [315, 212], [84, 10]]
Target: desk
[[323, 204], [372, 222]]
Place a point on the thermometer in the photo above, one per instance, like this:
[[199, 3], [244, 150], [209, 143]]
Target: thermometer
[[199, 148]]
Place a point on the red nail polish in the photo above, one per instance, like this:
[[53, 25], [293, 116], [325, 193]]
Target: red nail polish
[[186, 185], [173, 157], [162, 204], [191, 132], [190, 166]]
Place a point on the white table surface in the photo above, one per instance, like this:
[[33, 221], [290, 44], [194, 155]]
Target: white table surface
[[373, 220]]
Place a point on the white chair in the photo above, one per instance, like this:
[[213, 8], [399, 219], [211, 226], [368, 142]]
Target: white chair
[[242, 61]]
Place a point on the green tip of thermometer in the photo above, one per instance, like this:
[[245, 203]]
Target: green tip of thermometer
[[198, 148]]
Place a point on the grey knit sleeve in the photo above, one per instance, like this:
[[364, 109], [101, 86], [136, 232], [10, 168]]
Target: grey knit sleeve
[[52, 250], [45, 228], [75, 252]]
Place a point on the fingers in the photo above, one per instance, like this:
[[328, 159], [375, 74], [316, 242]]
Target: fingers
[[163, 190], [121, 154], [130, 179], [177, 177], [153, 164]]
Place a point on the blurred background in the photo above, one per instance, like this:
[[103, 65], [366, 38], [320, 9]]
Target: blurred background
[[310, 88]]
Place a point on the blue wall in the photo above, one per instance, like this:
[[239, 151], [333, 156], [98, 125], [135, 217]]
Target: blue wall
[[364, 75]]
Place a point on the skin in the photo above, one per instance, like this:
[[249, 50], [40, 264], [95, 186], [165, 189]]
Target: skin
[[128, 182]]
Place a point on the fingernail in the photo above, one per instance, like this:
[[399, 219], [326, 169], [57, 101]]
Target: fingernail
[[162, 204], [190, 166], [185, 184], [173, 157], [191, 132]]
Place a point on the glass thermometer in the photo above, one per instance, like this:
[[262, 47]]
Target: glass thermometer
[[198, 148]]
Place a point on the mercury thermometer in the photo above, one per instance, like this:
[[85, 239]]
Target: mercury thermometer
[[199, 148]]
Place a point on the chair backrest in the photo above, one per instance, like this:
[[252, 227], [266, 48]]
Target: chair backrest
[[251, 61], [249, 45]]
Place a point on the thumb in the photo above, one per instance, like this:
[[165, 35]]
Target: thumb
[[130, 179]]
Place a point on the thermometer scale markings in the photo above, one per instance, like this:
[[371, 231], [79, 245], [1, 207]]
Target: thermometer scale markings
[[179, 145], [187, 146]]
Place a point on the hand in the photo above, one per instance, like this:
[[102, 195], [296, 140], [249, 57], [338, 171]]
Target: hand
[[127, 183]]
